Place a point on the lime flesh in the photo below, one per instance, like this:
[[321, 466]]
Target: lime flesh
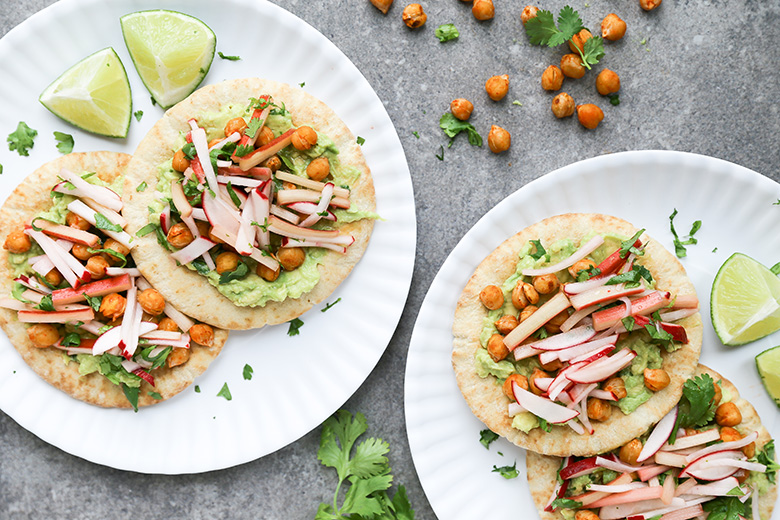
[[768, 365], [93, 95], [745, 301], [171, 51]]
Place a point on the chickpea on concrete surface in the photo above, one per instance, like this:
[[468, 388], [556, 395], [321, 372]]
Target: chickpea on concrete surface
[[528, 13], [152, 302], [552, 78], [291, 258], [630, 451], [492, 297], [266, 273], [461, 108], [649, 5], [563, 105], [613, 27], [180, 161], [382, 5], [304, 138], [607, 82], [17, 242], [496, 348], [727, 414], [589, 115], [180, 235], [656, 379], [43, 335], [202, 334], [483, 10], [414, 16], [599, 410], [571, 66], [499, 140], [578, 40], [497, 87], [521, 381], [318, 169], [506, 324]]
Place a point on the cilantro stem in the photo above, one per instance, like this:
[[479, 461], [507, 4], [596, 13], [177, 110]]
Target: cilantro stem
[[584, 61]]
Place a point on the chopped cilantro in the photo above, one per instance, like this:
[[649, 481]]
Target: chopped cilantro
[[726, 508], [542, 30], [544, 425], [329, 305], [679, 245], [627, 246], [197, 389], [295, 326], [112, 252], [64, 142], [446, 32], [614, 99], [229, 58], [149, 228], [93, 301], [440, 155], [1, 169], [565, 503], [155, 395], [631, 278], [767, 457], [452, 126], [46, 304], [101, 222], [715, 250], [360, 140], [238, 273], [131, 393], [486, 437], [516, 102], [415, 133], [508, 472], [248, 371], [587, 274], [71, 339], [775, 269], [141, 187], [138, 115], [22, 139], [233, 195], [773, 204], [243, 149], [225, 392], [539, 250], [302, 84]]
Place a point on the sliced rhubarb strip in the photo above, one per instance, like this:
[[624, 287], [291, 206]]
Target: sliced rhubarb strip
[[264, 258], [285, 197], [286, 242], [59, 258], [293, 218], [614, 262], [606, 293], [235, 180], [237, 175], [566, 339], [648, 304], [592, 496], [245, 237], [595, 374], [265, 152], [677, 331], [325, 197], [684, 514], [88, 214], [261, 205], [541, 407], [108, 196], [693, 440], [545, 313], [97, 288], [660, 434], [13, 304], [666, 458], [202, 150], [702, 469], [32, 283], [573, 288], [618, 489], [594, 355], [587, 348], [312, 185], [110, 214], [68, 233], [195, 249], [636, 495], [280, 227], [731, 445], [718, 488], [647, 472], [669, 486], [180, 199], [639, 510], [581, 253], [71, 316]]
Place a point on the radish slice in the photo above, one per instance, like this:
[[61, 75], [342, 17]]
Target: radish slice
[[648, 472], [670, 459], [702, 470], [578, 316], [731, 445], [594, 374], [110, 214], [560, 489], [579, 287], [88, 214], [583, 416], [348, 240], [280, 227], [579, 393], [629, 497], [112, 337], [684, 514], [195, 249], [719, 488], [659, 436], [594, 355], [119, 271], [617, 489], [604, 395], [615, 465], [180, 199], [514, 409], [108, 196], [202, 150], [581, 253], [232, 138], [693, 440], [143, 374], [293, 218], [734, 463], [285, 197], [579, 468], [565, 340], [245, 238], [33, 284], [306, 208], [587, 348], [525, 351], [577, 427], [57, 256], [235, 180], [541, 407], [308, 183], [755, 509], [220, 214], [322, 205], [677, 314], [68, 233]]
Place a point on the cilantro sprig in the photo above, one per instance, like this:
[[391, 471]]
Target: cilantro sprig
[[697, 405], [21, 139], [542, 30], [452, 126], [679, 245]]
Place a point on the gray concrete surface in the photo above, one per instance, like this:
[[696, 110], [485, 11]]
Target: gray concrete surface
[[698, 75]]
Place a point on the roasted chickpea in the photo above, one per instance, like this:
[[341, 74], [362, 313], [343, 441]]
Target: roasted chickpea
[[589, 115], [266, 273], [742, 476], [414, 16], [496, 348], [178, 356], [53, 278], [563, 105], [113, 305], [750, 450], [599, 410], [318, 169], [537, 373], [43, 335], [382, 5], [526, 312], [727, 414], [167, 324], [613, 27], [521, 381], [97, 265], [492, 297], [180, 235], [291, 258], [552, 78], [552, 366], [273, 163], [202, 334], [585, 514], [554, 325], [304, 138], [77, 221], [529, 12], [524, 294], [17, 242], [265, 136], [656, 379], [461, 108], [499, 140], [506, 324], [718, 393], [236, 124], [497, 87], [203, 227], [484, 10], [227, 261], [571, 66], [113, 245], [214, 141], [152, 302], [729, 434], [607, 82], [180, 162], [546, 283], [578, 40], [649, 5], [617, 386], [630, 451], [81, 252]]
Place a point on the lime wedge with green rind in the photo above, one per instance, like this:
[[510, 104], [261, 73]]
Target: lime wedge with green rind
[[768, 365], [93, 95], [745, 301], [171, 51]]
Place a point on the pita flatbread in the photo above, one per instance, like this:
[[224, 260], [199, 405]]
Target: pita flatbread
[[485, 396], [193, 293], [32, 197], [545, 469]]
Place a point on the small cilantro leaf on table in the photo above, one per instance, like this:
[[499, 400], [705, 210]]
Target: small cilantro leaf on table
[[542, 30], [225, 392], [452, 126], [64, 142], [21, 139], [295, 327], [248, 371], [486, 437], [446, 32], [508, 472]]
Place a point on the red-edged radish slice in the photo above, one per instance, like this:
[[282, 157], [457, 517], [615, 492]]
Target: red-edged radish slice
[[524, 352], [220, 214], [648, 304], [702, 470], [307, 208], [514, 408], [291, 217], [603, 294], [660, 434], [593, 356], [541, 407], [734, 463], [647, 472], [348, 240], [731, 445], [587, 348], [266, 151], [543, 383], [595, 374], [678, 314], [573, 288], [165, 219], [110, 214], [143, 374], [565, 340], [579, 393], [583, 417], [195, 249], [108, 196], [560, 489], [635, 495], [119, 271], [201, 143], [693, 440], [57, 256], [616, 465], [32, 283], [180, 199], [245, 237], [618, 489], [285, 197], [312, 185], [69, 316], [325, 197], [581, 253], [579, 468], [261, 206], [579, 316], [719, 488], [604, 395], [592, 496], [542, 315], [96, 288], [88, 214]]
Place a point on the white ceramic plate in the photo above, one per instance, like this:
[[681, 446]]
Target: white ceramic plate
[[735, 207], [298, 381]]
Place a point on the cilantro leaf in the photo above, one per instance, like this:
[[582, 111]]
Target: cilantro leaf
[[197, 389], [238, 273], [486, 437], [101, 222], [592, 51], [726, 508], [248, 371], [360, 140], [697, 404], [64, 142], [565, 503], [225, 392], [155, 395], [138, 115], [329, 305], [767, 457], [586, 274], [569, 22], [149, 228], [679, 245], [627, 246], [295, 326], [631, 278], [415, 133], [539, 251], [446, 32], [141, 187], [508, 472], [614, 99], [440, 155], [1, 167], [22, 139], [71, 339], [93, 301], [131, 393], [542, 29], [452, 126], [544, 425], [46, 304], [229, 58], [775, 269]]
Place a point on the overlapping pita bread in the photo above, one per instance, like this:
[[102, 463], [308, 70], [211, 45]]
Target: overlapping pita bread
[[485, 396], [32, 197], [191, 292], [545, 469]]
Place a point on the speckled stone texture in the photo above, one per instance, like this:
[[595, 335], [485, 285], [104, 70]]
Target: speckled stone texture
[[697, 75]]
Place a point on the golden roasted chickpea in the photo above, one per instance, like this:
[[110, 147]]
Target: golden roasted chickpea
[[536, 374], [496, 348], [492, 297], [414, 16], [750, 450], [17, 242], [178, 356], [461, 108], [729, 434], [113, 245], [152, 302], [318, 169], [585, 514], [617, 386], [546, 283], [236, 124], [43, 335], [630, 451], [554, 325], [571, 66], [607, 82], [529, 12], [598, 410], [497, 87], [506, 324], [613, 27], [589, 115], [180, 162], [499, 140], [113, 305], [382, 5], [266, 273], [552, 366], [265, 136], [656, 379], [649, 5], [77, 221], [203, 227], [563, 105], [718, 393], [521, 381], [273, 163], [97, 265], [289, 186], [167, 324], [526, 312], [483, 10], [578, 40], [304, 138], [552, 78], [227, 261], [53, 278], [81, 252], [524, 294], [180, 235], [291, 258], [728, 414], [202, 334], [741, 476]]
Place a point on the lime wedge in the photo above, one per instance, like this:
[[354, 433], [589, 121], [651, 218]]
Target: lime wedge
[[171, 51], [94, 95], [745, 301], [768, 365]]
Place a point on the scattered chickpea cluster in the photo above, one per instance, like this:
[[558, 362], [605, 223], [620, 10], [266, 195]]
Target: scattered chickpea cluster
[[414, 16], [497, 87]]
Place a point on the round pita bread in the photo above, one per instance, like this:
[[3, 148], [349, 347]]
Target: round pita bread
[[485, 396], [27, 200], [193, 293], [545, 469]]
